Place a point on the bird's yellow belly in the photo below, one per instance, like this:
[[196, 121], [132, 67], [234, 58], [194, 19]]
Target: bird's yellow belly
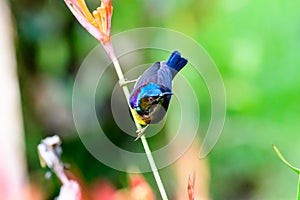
[[138, 118]]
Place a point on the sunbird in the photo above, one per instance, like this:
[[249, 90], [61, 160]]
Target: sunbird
[[152, 92]]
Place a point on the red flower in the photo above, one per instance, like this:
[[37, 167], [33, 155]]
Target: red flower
[[190, 189]]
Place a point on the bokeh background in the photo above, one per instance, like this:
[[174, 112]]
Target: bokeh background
[[256, 46]]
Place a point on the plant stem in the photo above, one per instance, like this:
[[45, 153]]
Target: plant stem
[[109, 49], [297, 170], [298, 191], [154, 168], [284, 160]]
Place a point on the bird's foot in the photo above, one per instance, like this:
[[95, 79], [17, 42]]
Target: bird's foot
[[126, 82], [141, 132]]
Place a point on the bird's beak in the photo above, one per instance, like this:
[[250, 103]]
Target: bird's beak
[[162, 95], [165, 93]]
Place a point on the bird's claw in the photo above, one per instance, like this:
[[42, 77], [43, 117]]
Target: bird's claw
[[141, 132]]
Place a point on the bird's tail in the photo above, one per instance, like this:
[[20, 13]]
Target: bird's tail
[[176, 62]]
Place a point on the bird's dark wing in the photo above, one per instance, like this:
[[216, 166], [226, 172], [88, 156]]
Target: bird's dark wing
[[164, 76], [150, 75]]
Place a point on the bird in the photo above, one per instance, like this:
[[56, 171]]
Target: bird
[[151, 94]]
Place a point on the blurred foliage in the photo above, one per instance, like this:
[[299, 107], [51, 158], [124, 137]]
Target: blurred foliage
[[255, 45]]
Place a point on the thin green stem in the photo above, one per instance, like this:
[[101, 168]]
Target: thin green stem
[[297, 170], [109, 49], [284, 160], [298, 191]]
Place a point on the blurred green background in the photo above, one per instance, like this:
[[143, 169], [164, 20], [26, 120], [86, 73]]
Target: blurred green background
[[255, 44]]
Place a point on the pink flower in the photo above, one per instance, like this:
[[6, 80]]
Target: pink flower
[[140, 189], [97, 23]]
